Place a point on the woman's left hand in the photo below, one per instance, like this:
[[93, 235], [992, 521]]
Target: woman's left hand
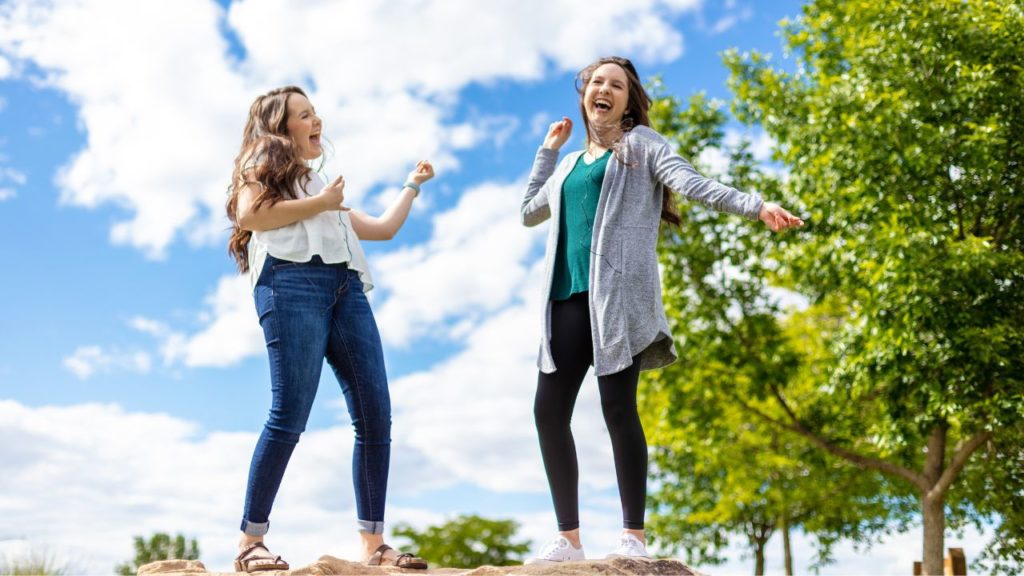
[[423, 172], [778, 218]]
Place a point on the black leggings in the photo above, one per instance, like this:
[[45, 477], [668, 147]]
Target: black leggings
[[573, 354]]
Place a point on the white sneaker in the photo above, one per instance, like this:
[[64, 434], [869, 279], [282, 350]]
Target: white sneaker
[[630, 547], [558, 550]]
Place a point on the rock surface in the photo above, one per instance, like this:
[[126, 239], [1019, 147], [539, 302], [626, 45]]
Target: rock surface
[[330, 566]]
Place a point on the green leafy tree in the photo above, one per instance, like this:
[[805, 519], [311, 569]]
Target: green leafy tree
[[902, 128], [717, 471], [159, 547], [467, 541]]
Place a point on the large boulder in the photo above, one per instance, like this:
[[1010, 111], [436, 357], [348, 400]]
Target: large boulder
[[331, 566]]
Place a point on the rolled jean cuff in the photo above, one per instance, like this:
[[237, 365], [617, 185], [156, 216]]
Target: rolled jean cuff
[[632, 525], [255, 528], [371, 526]]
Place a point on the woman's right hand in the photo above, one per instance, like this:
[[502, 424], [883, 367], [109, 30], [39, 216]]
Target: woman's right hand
[[558, 133], [333, 195]]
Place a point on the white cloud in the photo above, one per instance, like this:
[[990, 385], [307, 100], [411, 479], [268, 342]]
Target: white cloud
[[714, 162], [539, 123], [473, 264], [8, 174], [161, 149], [16, 176], [508, 39], [488, 389], [728, 21], [230, 329], [5, 69], [724, 23], [155, 145], [233, 332], [761, 143], [89, 360], [124, 474]]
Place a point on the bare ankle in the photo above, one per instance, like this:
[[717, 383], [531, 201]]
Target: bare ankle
[[573, 536], [248, 540], [639, 534], [370, 542]]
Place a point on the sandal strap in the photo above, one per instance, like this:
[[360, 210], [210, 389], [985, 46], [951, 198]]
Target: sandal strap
[[378, 556], [247, 556], [407, 560], [245, 551]]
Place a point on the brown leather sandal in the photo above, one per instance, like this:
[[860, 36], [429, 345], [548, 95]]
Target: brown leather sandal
[[404, 560], [257, 558]]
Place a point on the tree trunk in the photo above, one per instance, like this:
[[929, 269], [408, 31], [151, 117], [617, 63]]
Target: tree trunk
[[759, 559], [758, 534], [934, 512], [787, 551]]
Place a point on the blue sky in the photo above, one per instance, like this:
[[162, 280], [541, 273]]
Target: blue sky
[[133, 379]]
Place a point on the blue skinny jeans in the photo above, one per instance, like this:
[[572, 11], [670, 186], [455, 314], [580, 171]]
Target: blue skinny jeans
[[310, 311]]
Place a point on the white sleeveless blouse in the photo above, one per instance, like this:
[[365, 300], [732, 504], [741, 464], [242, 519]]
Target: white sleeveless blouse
[[328, 234]]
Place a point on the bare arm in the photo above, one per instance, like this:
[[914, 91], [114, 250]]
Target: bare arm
[[385, 226], [286, 212]]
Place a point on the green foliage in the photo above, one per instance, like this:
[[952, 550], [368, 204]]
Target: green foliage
[[468, 541], [903, 132], [718, 471], [159, 547]]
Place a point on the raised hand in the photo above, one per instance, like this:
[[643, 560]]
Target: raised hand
[[778, 218], [422, 172], [333, 195], [558, 133]]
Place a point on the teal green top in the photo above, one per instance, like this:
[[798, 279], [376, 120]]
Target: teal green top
[[580, 193]]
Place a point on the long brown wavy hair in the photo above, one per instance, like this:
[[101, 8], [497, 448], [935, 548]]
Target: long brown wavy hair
[[268, 158], [635, 115]]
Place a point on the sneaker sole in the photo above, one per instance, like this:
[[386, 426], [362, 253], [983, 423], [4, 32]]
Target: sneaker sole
[[542, 562]]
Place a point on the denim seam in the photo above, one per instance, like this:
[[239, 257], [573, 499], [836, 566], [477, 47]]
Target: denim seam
[[362, 410], [275, 367], [338, 292], [362, 414]]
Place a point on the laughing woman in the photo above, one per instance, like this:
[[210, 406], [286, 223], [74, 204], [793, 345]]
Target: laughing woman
[[603, 291], [300, 246]]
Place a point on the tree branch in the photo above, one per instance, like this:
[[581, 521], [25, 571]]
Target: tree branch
[[858, 459], [960, 218], [958, 462]]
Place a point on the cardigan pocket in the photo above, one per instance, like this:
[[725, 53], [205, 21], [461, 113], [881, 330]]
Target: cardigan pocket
[[606, 294], [641, 282]]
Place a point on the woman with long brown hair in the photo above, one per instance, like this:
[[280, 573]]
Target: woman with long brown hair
[[300, 245], [603, 289]]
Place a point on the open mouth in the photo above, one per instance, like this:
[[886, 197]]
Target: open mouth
[[314, 139], [602, 105]]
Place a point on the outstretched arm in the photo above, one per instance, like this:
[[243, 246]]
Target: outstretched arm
[[676, 173], [385, 226]]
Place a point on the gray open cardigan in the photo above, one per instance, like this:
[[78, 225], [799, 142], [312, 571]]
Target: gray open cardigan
[[627, 317]]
